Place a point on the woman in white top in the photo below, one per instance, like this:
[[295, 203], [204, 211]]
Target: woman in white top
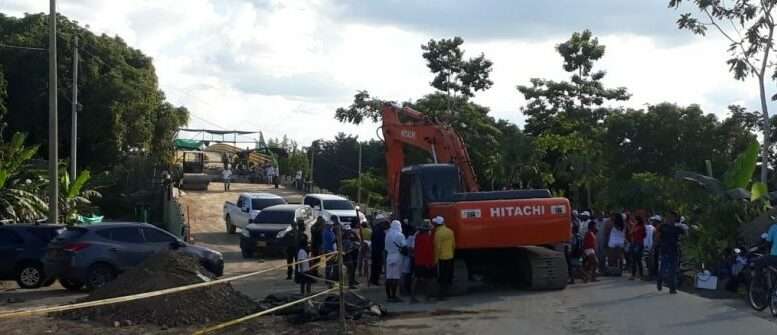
[[395, 243], [616, 243]]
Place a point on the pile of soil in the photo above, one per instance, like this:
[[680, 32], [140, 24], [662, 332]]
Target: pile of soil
[[166, 270]]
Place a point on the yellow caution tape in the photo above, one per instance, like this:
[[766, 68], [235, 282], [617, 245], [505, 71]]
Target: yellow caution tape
[[264, 312], [62, 308]]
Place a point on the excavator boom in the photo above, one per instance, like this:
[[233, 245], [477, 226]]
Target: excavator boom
[[442, 141]]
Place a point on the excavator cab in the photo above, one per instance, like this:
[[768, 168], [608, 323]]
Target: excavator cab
[[424, 184]]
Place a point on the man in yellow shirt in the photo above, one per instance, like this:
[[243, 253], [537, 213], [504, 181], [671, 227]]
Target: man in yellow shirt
[[444, 249]]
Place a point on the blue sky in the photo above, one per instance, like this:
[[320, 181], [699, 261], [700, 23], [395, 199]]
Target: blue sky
[[283, 67]]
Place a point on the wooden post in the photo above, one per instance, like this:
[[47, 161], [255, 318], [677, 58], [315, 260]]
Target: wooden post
[[341, 277]]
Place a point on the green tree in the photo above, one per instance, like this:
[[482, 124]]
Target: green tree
[[566, 116], [168, 119], [566, 106], [749, 27], [363, 107], [454, 75], [668, 137], [123, 111], [373, 189]]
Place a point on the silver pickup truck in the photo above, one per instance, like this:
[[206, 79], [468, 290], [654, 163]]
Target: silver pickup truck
[[240, 214]]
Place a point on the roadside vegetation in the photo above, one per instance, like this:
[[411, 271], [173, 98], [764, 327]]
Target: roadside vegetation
[[580, 139]]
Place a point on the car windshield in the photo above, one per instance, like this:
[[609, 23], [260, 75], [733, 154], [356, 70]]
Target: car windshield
[[338, 205], [270, 216], [260, 204]]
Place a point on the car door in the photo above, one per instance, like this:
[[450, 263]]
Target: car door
[[244, 208], [11, 246], [126, 248], [157, 239]]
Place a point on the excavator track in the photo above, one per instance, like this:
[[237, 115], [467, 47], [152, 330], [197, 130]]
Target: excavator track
[[542, 268]]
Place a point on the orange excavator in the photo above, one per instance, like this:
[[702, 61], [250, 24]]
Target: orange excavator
[[503, 234]]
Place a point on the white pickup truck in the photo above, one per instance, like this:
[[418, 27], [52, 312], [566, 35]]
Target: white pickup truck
[[248, 205], [328, 205]]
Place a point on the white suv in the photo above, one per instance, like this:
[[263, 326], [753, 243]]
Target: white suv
[[327, 205]]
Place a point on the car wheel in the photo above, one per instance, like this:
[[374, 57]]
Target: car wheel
[[71, 285], [30, 275], [230, 227], [99, 275], [245, 250]]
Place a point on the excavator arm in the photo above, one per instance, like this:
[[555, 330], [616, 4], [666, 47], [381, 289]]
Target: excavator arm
[[440, 140]]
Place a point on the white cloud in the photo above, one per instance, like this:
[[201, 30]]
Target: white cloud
[[283, 67]]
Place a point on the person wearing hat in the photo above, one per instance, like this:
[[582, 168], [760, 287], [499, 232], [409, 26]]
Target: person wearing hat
[[590, 262], [395, 246], [424, 265], [584, 220], [445, 248]]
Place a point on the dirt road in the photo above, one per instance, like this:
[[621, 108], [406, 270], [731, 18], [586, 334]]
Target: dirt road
[[611, 306], [205, 210]]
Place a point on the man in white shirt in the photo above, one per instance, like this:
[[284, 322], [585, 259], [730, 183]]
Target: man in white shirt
[[227, 176], [650, 233]]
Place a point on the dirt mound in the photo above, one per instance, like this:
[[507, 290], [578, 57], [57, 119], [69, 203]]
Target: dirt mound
[[172, 269]]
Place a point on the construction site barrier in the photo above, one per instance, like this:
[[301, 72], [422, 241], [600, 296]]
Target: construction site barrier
[[62, 308], [264, 312], [277, 308]]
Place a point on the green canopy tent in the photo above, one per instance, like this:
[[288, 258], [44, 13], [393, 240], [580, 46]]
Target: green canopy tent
[[186, 144]]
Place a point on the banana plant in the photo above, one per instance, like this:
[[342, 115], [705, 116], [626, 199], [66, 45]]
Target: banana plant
[[19, 200], [75, 197], [737, 183], [730, 205]]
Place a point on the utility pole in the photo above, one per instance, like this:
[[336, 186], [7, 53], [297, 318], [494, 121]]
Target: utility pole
[[359, 180], [53, 135], [312, 159], [74, 117]]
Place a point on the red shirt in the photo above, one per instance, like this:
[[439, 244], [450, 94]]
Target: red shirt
[[589, 241], [638, 234], [424, 249]]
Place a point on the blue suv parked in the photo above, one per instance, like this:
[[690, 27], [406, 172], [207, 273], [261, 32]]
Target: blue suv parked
[[93, 255], [22, 249]]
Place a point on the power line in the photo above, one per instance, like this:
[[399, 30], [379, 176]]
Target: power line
[[2, 45]]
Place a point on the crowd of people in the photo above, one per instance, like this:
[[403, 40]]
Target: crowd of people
[[647, 248], [407, 259]]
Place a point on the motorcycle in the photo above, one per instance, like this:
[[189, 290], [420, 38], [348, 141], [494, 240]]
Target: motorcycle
[[741, 263], [757, 277]]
